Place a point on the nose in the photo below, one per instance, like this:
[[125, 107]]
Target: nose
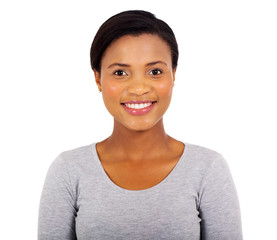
[[138, 86]]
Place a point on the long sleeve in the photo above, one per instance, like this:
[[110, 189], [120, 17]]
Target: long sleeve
[[219, 206], [57, 205]]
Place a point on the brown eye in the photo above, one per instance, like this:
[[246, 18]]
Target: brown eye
[[120, 73], [155, 72]]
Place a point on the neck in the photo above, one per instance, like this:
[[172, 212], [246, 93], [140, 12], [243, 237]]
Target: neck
[[136, 145]]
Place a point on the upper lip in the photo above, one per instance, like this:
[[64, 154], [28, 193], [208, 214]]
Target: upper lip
[[138, 101]]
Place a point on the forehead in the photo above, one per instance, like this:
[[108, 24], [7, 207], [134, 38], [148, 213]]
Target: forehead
[[137, 50]]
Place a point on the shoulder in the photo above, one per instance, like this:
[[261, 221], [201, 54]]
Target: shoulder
[[204, 163], [201, 156], [210, 164], [70, 161], [78, 154]]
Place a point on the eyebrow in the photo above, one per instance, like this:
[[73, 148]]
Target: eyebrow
[[127, 65], [156, 62], [119, 64]]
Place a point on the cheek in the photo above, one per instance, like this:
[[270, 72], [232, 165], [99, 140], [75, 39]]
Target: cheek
[[165, 89], [111, 90]]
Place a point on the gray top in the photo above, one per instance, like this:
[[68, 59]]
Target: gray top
[[197, 200]]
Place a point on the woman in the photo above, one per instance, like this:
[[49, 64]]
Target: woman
[[139, 183]]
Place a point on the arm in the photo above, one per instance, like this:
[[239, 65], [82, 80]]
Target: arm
[[57, 205], [219, 206]]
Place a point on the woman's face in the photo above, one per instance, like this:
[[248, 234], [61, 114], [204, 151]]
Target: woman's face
[[136, 80]]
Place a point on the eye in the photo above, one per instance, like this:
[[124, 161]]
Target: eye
[[120, 73], [155, 72]]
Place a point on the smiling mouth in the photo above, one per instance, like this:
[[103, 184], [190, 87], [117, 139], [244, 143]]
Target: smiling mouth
[[140, 105], [138, 108]]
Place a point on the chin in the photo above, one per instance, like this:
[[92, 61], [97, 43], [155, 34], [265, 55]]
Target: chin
[[141, 126], [140, 129]]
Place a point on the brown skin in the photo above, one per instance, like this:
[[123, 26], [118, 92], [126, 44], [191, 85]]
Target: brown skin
[[139, 154]]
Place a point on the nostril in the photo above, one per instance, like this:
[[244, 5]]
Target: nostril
[[139, 89]]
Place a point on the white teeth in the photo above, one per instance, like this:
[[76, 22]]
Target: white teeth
[[137, 106]]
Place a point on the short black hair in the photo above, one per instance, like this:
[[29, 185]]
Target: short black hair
[[132, 22]]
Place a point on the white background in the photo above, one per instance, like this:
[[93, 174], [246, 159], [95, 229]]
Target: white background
[[224, 97]]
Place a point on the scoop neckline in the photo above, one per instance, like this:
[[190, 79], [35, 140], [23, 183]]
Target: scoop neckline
[[107, 179]]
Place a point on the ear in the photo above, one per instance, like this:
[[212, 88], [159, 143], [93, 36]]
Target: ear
[[173, 74], [97, 79]]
